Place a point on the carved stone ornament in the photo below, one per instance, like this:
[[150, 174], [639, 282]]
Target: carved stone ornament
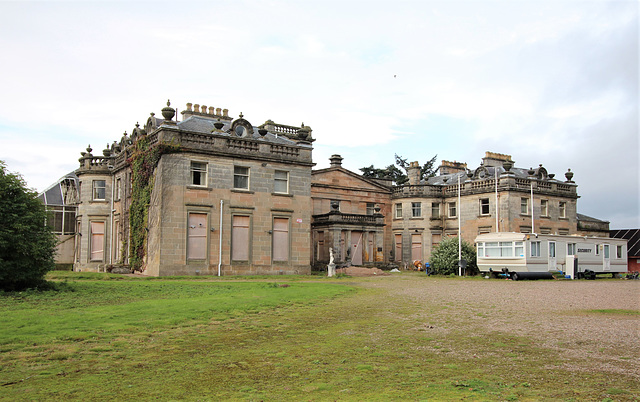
[[168, 112], [569, 176]]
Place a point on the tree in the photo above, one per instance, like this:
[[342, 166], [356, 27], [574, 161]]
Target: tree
[[444, 258], [27, 245], [395, 174]]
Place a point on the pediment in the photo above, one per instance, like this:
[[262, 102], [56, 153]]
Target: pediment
[[342, 178]]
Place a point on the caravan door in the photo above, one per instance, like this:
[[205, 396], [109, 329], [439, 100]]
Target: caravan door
[[552, 256], [606, 258]]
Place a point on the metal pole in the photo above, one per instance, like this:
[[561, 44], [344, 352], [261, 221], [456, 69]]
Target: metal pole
[[533, 228], [459, 231], [220, 244], [497, 206]]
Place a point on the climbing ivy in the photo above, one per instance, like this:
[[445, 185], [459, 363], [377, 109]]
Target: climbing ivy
[[143, 161]]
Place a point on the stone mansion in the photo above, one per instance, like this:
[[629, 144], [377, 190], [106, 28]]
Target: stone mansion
[[213, 195]]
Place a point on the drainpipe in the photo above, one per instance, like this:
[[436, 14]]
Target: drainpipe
[[459, 231], [220, 243], [533, 229], [111, 210]]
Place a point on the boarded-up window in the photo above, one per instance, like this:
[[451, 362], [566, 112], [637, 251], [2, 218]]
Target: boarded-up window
[[197, 236], [436, 238], [97, 241], [398, 241], [416, 247], [240, 238], [280, 239]]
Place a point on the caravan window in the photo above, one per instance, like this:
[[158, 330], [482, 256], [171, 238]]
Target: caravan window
[[618, 251], [571, 249], [504, 249], [535, 249]]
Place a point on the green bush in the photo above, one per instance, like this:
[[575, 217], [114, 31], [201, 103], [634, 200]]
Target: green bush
[[27, 245], [444, 258]]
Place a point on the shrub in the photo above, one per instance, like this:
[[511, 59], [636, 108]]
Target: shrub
[[444, 258], [27, 245]]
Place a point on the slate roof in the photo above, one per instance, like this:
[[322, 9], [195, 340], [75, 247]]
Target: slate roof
[[633, 238], [585, 218], [205, 125]]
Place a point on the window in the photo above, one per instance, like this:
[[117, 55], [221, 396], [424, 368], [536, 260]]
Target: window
[[597, 249], [240, 238], [544, 207], [618, 251], [506, 249], [416, 209], [563, 209], [484, 206], [99, 190], [552, 249], [371, 208], [198, 174], [118, 188], [452, 210], [571, 249], [97, 241], [281, 182], [398, 211], [62, 220], [398, 241], [416, 247], [435, 210], [241, 177], [535, 249], [197, 236], [524, 206], [280, 239]]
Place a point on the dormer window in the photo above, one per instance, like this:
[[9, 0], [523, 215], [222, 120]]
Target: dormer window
[[240, 131]]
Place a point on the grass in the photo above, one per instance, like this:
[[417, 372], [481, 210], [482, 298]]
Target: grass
[[104, 337]]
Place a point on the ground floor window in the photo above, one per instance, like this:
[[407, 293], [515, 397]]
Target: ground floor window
[[240, 238], [416, 247], [197, 236], [97, 241], [398, 249], [280, 239]]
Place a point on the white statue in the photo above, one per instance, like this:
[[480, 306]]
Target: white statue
[[331, 268]]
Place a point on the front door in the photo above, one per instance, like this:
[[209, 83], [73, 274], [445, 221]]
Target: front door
[[552, 256], [356, 248], [606, 257]]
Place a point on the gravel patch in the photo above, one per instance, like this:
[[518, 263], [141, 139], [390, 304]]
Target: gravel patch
[[556, 314]]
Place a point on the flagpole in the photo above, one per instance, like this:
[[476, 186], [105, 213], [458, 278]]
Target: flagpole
[[533, 229], [497, 207], [459, 232]]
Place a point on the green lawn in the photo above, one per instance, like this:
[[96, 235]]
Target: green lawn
[[108, 337]]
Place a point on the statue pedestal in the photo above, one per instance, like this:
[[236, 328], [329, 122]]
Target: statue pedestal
[[331, 270]]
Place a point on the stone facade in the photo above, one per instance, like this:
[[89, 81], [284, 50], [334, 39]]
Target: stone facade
[[349, 216], [234, 199], [238, 199]]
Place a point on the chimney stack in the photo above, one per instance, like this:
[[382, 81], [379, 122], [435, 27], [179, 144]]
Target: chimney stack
[[413, 171], [336, 160]]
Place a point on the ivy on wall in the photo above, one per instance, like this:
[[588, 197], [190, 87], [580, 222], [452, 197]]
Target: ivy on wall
[[143, 161]]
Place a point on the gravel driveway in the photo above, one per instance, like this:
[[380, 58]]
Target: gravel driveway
[[562, 315]]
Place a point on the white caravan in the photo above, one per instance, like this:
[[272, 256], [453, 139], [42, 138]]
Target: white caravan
[[573, 255]]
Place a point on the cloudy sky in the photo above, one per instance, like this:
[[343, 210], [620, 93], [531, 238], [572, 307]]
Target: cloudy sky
[[548, 82]]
